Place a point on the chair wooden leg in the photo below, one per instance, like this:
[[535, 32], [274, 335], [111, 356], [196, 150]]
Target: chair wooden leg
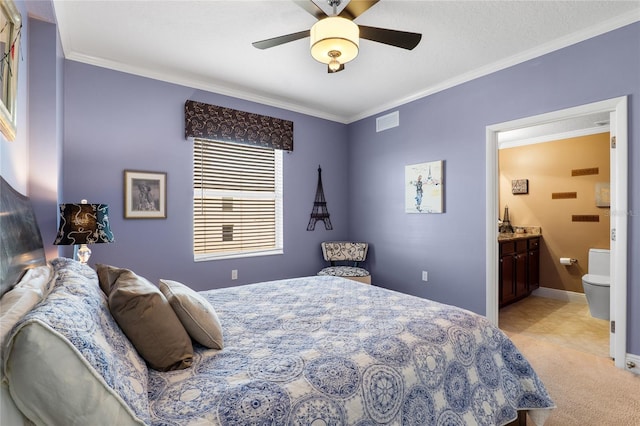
[[365, 280]]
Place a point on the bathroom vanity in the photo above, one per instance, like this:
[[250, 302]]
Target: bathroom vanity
[[519, 266]]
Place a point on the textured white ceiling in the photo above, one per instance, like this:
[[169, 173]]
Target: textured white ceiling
[[207, 45]]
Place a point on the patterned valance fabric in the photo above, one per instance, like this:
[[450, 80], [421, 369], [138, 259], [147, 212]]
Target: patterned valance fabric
[[226, 124]]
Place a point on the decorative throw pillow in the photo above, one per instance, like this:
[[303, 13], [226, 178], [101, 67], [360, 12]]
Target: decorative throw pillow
[[146, 317], [196, 314], [107, 275]]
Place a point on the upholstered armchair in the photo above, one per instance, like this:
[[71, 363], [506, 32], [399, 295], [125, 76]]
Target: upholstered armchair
[[345, 258]]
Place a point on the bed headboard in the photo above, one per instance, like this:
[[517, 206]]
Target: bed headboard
[[20, 239]]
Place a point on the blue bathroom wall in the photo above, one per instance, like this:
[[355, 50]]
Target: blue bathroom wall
[[451, 126]]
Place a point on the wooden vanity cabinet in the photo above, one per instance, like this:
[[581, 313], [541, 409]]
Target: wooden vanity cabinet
[[506, 272], [533, 264], [519, 269]]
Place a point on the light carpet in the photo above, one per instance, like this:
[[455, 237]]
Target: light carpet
[[587, 389]]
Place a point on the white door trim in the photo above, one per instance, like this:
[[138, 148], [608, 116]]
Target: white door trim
[[618, 210]]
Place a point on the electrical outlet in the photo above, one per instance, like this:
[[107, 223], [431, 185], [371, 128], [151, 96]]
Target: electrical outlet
[[234, 274], [425, 276]]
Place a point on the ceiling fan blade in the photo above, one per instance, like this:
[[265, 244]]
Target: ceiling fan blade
[[311, 7], [277, 41], [356, 8], [330, 71], [403, 39]]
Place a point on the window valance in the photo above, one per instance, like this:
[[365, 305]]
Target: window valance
[[226, 124]]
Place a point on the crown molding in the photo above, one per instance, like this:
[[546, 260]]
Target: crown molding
[[571, 39], [241, 93]]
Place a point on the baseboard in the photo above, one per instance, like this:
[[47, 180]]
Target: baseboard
[[632, 363], [564, 295]]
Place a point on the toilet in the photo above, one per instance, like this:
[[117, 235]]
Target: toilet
[[596, 283]]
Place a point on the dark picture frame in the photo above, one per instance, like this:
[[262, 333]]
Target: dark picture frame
[[145, 195]]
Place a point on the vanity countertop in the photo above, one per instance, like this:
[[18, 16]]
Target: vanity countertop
[[516, 236]]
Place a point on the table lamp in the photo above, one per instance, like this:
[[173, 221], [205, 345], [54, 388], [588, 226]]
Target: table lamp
[[82, 224]]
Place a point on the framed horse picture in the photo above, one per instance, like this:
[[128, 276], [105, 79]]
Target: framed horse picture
[[145, 195]]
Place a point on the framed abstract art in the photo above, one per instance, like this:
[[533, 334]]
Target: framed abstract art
[[424, 187]]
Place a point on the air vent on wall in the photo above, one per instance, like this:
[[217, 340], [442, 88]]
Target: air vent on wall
[[388, 121]]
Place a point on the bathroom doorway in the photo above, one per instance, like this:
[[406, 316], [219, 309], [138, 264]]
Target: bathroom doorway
[[617, 110], [563, 162]]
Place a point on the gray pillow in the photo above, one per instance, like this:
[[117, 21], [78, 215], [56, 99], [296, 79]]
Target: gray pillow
[[107, 275], [147, 319], [196, 313]]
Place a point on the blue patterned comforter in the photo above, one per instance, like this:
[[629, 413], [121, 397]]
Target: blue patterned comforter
[[325, 350]]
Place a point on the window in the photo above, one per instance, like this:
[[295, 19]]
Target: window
[[237, 200]]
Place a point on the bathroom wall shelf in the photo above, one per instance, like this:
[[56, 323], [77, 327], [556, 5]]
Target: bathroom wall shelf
[[585, 218], [585, 172], [563, 195]]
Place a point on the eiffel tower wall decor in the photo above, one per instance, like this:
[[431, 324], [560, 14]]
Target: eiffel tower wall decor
[[319, 211], [424, 187]]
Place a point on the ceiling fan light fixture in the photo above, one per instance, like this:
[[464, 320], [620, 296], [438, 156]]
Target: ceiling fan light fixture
[[334, 63], [334, 35]]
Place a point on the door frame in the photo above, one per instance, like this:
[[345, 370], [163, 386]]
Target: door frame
[[618, 210]]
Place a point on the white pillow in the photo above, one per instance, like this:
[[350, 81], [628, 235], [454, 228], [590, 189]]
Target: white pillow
[[195, 313], [68, 362], [68, 392], [39, 279], [15, 303]]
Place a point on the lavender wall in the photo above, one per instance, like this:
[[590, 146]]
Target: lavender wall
[[450, 126], [45, 127], [115, 121]]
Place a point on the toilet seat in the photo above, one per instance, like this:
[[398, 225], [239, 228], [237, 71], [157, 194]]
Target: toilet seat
[[597, 280]]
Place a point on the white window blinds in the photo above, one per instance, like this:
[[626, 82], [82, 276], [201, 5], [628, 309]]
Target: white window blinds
[[237, 200]]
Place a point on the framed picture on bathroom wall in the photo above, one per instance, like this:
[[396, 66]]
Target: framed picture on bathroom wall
[[424, 187], [520, 186], [603, 194]]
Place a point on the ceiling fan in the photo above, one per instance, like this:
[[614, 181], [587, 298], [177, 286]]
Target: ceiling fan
[[335, 39]]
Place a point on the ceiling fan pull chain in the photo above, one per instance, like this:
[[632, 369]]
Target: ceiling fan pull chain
[[334, 4]]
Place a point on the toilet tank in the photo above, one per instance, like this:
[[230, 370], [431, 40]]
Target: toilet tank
[[599, 262]]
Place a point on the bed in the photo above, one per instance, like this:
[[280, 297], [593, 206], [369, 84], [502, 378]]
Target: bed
[[310, 350]]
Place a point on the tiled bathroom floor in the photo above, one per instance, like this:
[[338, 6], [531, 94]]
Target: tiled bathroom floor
[[563, 323]]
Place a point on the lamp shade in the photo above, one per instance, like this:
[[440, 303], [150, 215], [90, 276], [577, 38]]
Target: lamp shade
[[84, 224], [334, 35]]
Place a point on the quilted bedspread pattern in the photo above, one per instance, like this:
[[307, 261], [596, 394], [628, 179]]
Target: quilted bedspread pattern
[[326, 350]]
